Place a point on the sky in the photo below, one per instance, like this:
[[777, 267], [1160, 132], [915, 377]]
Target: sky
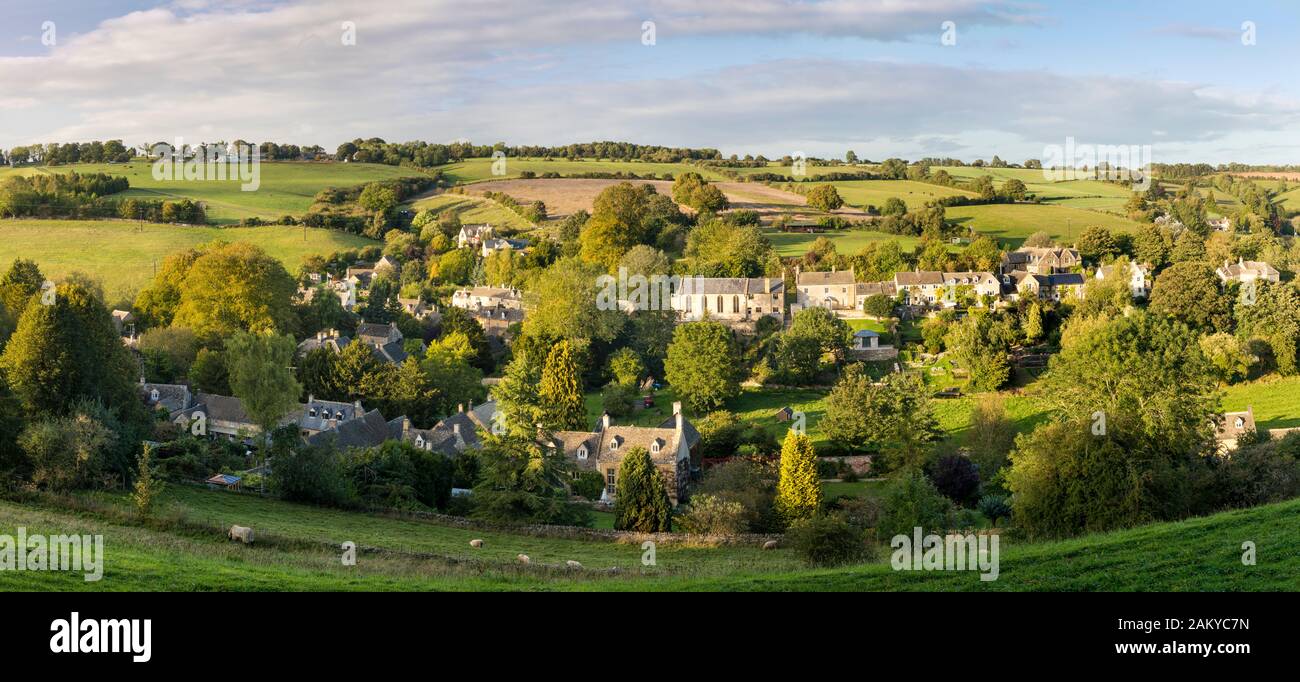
[[1196, 81]]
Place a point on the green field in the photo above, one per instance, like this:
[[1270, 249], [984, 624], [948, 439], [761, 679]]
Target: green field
[[123, 257], [1011, 224], [471, 209], [862, 193], [847, 242], [1275, 400], [299, 549], [286, 188]]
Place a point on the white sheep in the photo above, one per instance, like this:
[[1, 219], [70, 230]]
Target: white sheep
[[476, 543], [523, 558], [241, 533], [572, 564], [770, 544]]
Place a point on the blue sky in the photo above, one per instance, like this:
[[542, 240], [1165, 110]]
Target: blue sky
[[746, 76]]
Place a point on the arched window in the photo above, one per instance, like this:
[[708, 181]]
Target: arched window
[[719, 303], [735, 304]]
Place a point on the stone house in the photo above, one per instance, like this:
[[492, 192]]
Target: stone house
[[671, 446], [1230, 427], [1247, 271], [836, 290], [473, 235], [945, 289], [384, 339], [478, 298], [1041, 260], [1139, 277], [733, 301], [1053, 287]]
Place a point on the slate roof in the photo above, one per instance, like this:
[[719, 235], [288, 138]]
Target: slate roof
[[368, 431], [875, 288], [730, 285], [171, 397], [918, 278], [825, 278]]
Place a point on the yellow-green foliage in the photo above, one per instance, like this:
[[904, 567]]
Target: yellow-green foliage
[[799, 492]]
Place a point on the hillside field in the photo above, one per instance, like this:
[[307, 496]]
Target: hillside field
[[286, 188], [298, 548], [123, 258]]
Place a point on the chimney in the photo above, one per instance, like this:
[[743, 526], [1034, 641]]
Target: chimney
[[460, 407], [310, 399], [406, 426], [677, 412], [604, 421], [360, 410], [455, 429]]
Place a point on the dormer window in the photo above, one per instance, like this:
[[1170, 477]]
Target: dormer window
[[654, 448], [419, 441], [582, 452], [338, 415], [312, 412], [1241, 423], [153, 395]]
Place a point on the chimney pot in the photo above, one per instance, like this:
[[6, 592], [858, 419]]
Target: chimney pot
[[604, 421]]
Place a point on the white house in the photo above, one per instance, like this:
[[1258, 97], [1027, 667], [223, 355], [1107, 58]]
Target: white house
[[1139, 277]]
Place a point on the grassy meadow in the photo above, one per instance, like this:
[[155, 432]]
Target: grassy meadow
[[286, 188], [298, 548], [122, 255]]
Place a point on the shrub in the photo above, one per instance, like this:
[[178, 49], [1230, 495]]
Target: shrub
[[314, 475], [911, 501], [956, 477], [588, 484], [617, 400], [828, 540], [995, 507], [752, 484], [712, 515]]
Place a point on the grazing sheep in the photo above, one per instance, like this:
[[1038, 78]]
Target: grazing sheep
[[572, 564], [523, 558], [476, 543], [770, 544], [242, 534]]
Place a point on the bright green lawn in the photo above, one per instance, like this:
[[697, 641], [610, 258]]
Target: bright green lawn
[[1275, 400], [847, 242], [1195, 555], [1013, 223], [286, 188], [124, 258]]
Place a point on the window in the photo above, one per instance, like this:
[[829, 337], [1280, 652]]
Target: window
[[1240, 422], [312, 412], [610, 481], [735, 304], [582, 452], [719, 302], [654, 447], [338, 415]]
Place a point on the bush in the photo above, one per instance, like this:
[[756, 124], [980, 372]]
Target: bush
[[618, 400], [956, 477], [911, 501], [588, 484], [827, 468], [752, 484], [828, 540], [314, 475], [712, 515], [995, 507]]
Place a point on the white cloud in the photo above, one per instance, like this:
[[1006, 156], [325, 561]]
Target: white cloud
[[485, 71]]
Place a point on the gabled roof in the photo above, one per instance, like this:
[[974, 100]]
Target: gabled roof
[[918, 278], [368, 431], [221, 408], [825, 278], [730, 285]]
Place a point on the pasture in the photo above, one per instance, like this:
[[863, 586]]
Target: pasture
[[1011, 224], [123, 255], [286, 188]]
